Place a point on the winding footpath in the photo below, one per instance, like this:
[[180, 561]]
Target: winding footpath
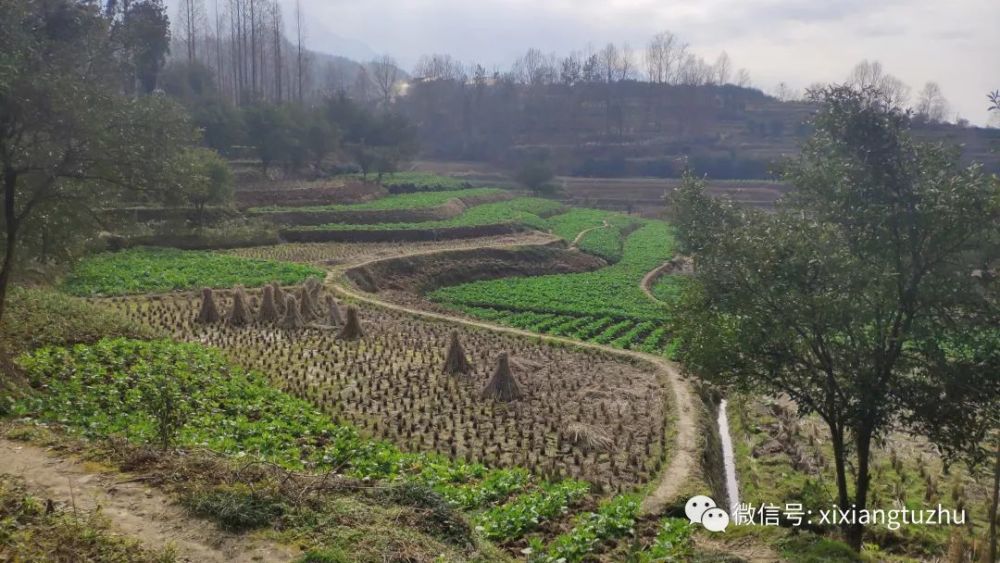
[[683, 456], [732, 487], [650, 279], [583, 233]]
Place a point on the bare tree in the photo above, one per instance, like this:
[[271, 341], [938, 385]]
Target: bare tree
[[277, 27], [237, 48], [931, 103], [722, 69], [628, 68], [743, 78], [480, 76], [220, 72], [871, 76], [190, 22], [694, 71], [439, 67], [535, 68], [362, 89], [385, 73], [300, 59], [571, 69], [616, 63], [786, 93], [254, 33], [663, 55]]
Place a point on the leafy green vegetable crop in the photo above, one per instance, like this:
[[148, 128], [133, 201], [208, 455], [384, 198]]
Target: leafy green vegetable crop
[[605, 235], [419, 200], [618, 311], [419, 181], [114, 387], [527, 211], [144, 270], [613, 519], [672, 543], [512, 520]]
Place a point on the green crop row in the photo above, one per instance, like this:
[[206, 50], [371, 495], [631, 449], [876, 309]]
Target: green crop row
[[605, 242], [570, 224], [612, 520], [146, 270], [188, 395], [420, 200], [526, 211], [601, 240], [668, 288], [613, 291], [419, 181], [672, 543], [627, 334], [527, 512]]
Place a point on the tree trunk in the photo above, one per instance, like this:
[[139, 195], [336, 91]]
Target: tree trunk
[[8, 370], [837, 438], [10, 237], [856, 532], [994, 506]]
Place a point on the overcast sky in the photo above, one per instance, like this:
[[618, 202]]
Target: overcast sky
[[953, 42]]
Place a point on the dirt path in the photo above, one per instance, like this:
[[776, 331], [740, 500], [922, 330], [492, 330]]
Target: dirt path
[[133, 509], [583, 233], [684, 454], [646, 285]]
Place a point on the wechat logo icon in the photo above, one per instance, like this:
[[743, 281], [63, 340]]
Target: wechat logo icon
[[703, 510]]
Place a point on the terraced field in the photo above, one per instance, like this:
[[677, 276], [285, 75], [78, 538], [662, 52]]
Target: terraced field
[[402, 201], [409, 182], [524, 211], [539, 471], [142, 270], [594, 231], [605, 307], [390, 385]]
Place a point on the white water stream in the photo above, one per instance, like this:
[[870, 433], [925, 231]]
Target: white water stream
[[728, 460]]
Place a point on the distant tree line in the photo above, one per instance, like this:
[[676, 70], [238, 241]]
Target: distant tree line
[[297, 137], [245, 45], [615, 96]]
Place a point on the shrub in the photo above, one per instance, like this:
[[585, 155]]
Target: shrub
[[536, 175], [672, 543], [40, 317], [437, 517], [235, 508]]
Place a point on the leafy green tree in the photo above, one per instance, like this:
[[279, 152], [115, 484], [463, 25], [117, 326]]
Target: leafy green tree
[[850, 295], [364, 156], [207, 181], [70, 141], [388, 160], [536, 175], [269, 130], [221, 125], [964, 421], [377, 143], [190, 82], [143, 32], [321, 139]]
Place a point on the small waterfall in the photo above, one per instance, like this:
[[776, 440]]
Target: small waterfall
[[728, 460]]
